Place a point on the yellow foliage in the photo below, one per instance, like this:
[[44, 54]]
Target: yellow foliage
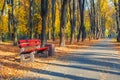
[[4, 24], [109, 22], [22, 29], [87, 21], [38, 23], [104, 7], [20, 15], [57, 21], [1, 4], [39, 28]]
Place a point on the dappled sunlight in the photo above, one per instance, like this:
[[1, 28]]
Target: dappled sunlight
[[59, 39], [10, 65]]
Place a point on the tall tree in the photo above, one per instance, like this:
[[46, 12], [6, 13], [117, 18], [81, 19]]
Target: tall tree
[[9, 24], [72, 19], [31, 18], [44, 8], [14, 24], [92, 18], [98, 19], [82, 30], [118, 37], [117, 8], [63, 22], [49, 20], [53, 18]]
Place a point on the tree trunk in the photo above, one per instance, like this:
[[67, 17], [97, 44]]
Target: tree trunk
[[92, 15], [9, 24], [44, 7], [53, 18], [62, 36], [82, 30], [2, 37], [15, 34], [117, 8], [62, 23], [72, 20], [15, 40], [49, 29], [31, 19], [118, 37], [103, 26]]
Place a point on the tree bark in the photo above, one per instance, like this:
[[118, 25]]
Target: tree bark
[[14, 23], [72, 19], [92, 19], [118, 37], [31, 19], [117, 8], [2, 37], [49, 28], [82, 30], [9, 24], [53, 19], [44, 7], [63, 21]]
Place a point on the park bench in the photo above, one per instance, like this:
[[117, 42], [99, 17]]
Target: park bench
[[30, 47]]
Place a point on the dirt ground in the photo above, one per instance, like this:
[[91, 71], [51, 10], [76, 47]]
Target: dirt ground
[[11, 67]]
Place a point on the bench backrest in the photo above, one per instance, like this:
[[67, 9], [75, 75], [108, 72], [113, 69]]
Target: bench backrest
[[29, 42]]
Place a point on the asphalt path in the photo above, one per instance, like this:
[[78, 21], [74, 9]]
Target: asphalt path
[[98, 62]]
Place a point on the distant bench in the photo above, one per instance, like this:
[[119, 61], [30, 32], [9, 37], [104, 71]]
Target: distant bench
[[30, 47]]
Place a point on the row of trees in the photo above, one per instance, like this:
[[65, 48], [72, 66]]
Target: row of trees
[[64, 19]]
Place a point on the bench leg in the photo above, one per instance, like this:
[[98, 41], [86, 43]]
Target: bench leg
[[22, 58], [32, 57], [46, 53], [51, 49]]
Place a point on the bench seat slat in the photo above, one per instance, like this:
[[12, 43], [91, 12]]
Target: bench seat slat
[[31, 42], [43, 48], [28, 41], [28, 44]]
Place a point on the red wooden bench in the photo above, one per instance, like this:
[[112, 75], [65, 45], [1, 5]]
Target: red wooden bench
[[31, 46]]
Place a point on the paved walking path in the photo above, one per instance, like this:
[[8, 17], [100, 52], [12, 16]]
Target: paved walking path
[[99, 62]]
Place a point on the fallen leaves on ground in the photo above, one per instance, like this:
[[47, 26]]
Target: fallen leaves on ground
[[10, 65]]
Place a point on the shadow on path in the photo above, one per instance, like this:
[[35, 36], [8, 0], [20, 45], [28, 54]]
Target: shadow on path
[[40, 71], [84, 68]]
